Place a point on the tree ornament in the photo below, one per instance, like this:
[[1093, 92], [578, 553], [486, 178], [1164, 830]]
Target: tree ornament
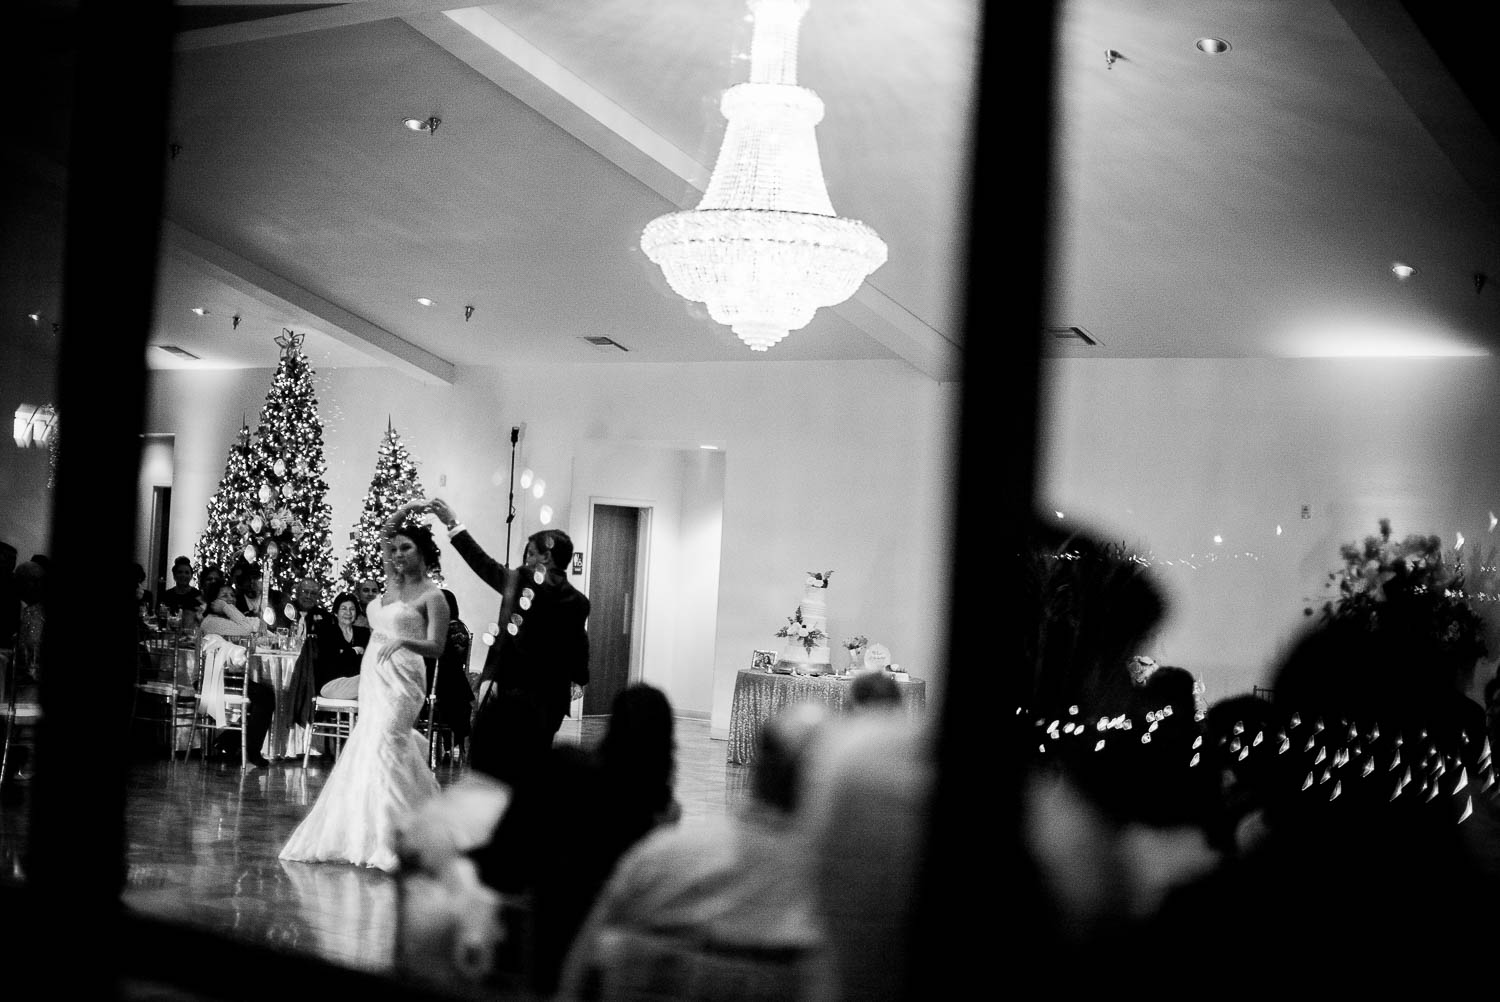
[[249, 554], [256, 523], [280, 467], [264, 495]]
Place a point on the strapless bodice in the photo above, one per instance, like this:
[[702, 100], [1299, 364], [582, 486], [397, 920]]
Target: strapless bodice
[[396, 619]]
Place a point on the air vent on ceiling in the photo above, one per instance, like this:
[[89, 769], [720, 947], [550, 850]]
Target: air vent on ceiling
[[172, 349], [1076, 334], [605, 342]]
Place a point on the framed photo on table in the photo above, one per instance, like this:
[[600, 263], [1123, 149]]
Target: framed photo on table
[[763, 660]]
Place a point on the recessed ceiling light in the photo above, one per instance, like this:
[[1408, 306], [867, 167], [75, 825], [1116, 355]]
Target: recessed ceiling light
[[1212, 46], [713, 447], [428, 125], [424, 300], [34, 317], [1402, 270], [200, 311]]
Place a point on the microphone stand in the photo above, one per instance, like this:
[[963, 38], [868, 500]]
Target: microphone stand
[[515, 436]]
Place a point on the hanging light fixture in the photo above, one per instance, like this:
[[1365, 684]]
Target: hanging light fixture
[[764, 249]]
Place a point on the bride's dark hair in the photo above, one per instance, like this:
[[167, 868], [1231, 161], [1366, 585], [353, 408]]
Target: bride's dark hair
[[421, 536]]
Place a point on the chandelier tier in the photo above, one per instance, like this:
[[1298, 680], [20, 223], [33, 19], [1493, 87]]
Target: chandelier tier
[[764, 249]]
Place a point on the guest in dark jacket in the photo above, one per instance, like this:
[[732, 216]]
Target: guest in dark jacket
[[542, 650], [182, 596], [455, 696], [340, 651]]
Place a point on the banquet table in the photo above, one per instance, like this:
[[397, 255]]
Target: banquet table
[[760, 695], [274, 667]]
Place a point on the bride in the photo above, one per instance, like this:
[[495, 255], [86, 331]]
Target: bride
[[382, 775]]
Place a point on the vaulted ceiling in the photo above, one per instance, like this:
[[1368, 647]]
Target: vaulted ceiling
[[1246, 204]]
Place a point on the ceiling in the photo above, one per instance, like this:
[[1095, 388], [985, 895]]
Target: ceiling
[[1248, 204]]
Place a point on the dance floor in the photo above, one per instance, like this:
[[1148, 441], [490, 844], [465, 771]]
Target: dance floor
[[202, 844]]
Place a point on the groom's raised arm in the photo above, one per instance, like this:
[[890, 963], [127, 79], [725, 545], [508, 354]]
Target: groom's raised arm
[[490, 570]]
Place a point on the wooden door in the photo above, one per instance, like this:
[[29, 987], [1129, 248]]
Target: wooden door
[[612, 600]]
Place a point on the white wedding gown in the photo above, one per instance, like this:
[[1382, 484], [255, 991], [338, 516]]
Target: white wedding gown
[[381, 775]]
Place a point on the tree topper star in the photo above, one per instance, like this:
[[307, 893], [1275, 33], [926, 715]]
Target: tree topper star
[[290, 341]]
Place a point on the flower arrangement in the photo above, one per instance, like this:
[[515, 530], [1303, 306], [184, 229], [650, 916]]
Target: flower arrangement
[[818, 579], [857, 641], [798, 630], [1407, 583]]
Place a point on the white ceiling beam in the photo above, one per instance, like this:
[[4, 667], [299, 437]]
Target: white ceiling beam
[[480, 40], [338, 16], [254, 280], [1398, 47]]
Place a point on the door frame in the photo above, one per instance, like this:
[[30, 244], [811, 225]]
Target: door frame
[[638, 618]]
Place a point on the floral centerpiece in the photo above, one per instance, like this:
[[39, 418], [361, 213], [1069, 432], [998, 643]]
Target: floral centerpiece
[[797, 629], [1407, 584], [818, 579]]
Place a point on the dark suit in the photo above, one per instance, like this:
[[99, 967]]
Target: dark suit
[[533, 669]]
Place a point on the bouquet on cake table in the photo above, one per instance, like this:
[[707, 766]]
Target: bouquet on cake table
[[795, 628]]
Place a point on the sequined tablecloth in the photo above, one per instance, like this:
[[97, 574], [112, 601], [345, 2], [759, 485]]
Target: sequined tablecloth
[[274, 667], [758, 696]]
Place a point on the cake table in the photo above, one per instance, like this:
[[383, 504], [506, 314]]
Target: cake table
[[760, 695]]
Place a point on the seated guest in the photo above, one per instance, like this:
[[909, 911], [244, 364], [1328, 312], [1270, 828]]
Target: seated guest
[[862, 806], [1367, 809], [10, 602], [249, 596], [366, 591], [182, 596], [221, 614], [340, 650], [455, 695], [31, 589], [223, 619], [874, 690], [144, 605], [733, 886], [308, 608], [571, 819], [1232, 726]]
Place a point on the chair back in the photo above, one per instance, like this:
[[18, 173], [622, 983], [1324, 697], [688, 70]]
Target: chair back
[[221, 672], [170, 658]]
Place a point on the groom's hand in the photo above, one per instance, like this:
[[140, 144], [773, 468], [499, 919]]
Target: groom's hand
[[440, 508]]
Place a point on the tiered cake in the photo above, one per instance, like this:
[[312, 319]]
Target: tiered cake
[[806, 631]]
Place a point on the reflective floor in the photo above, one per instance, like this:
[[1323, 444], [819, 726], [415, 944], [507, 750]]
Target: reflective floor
[[202, 844]]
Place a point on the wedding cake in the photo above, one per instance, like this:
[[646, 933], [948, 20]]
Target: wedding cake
[[806, 630]]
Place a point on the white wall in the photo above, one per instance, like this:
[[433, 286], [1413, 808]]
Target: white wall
[[155, 471], [840, 465], [1167, 453], [699, 552]]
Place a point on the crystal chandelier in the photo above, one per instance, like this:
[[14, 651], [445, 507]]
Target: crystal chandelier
[[763, 249]]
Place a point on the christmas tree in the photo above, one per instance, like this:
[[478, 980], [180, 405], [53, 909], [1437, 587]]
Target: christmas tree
[[395, 483], [220, 542], [286, 525]]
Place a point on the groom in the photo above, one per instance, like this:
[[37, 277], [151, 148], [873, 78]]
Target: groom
[[540, 653]]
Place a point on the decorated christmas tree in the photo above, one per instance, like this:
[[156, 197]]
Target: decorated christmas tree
[[220, 541], [395, 483], [286, 526]]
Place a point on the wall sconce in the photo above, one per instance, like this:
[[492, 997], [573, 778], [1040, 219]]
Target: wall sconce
[[33, 424]]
